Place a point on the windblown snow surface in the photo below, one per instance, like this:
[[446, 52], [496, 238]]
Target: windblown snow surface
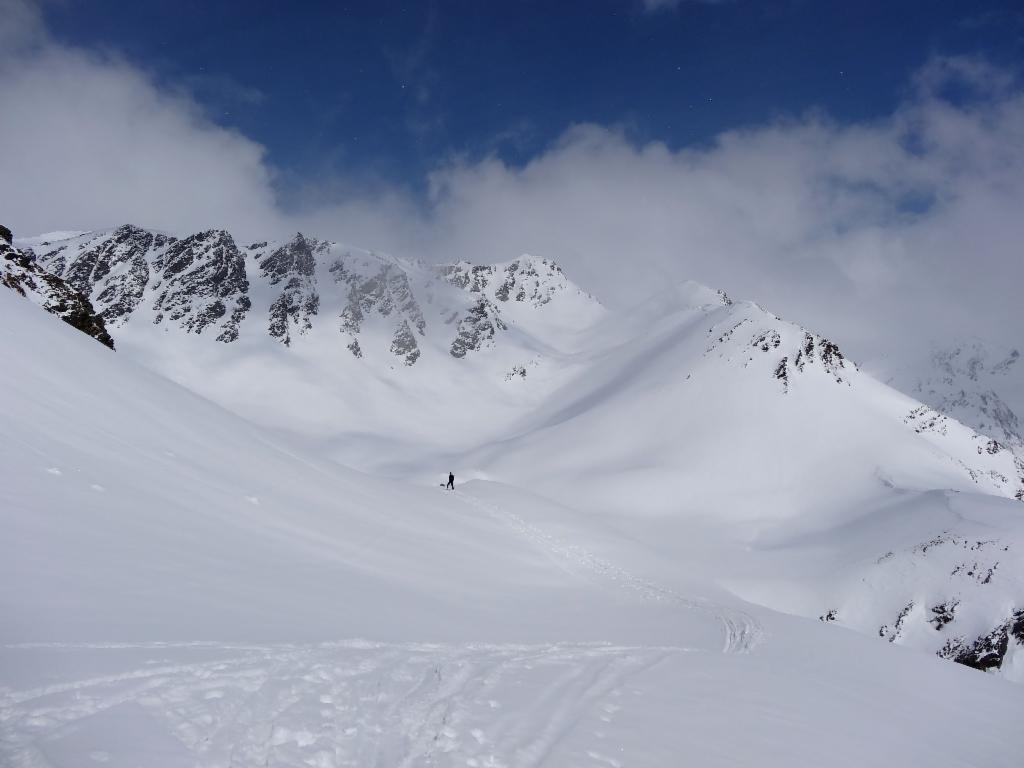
[[180, 587]]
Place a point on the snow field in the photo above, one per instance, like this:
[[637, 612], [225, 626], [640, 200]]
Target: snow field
[[180, 587]]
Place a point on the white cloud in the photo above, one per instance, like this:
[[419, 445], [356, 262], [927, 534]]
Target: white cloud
[[899, 231], [882, 234], [90, 140]]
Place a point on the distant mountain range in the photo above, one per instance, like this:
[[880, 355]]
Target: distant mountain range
[[207, 284], [975, 383]]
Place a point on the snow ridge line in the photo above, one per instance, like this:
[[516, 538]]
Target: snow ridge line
[[742, 632]]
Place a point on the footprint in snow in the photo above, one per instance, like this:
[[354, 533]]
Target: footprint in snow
[[604, 759]]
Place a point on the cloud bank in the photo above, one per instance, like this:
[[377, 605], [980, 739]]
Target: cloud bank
[[87, 140], [886, 235]]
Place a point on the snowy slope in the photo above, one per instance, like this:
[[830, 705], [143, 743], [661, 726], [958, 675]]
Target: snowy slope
[[180, 588], [702, 397], [113, 471], [829, 493]]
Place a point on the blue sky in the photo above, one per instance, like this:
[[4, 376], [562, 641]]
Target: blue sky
[[385, 91]]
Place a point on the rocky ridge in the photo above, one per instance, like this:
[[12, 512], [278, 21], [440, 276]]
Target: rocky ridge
[[293, 266], [20, 273], [749, 331], [201, 281], [206, 281]]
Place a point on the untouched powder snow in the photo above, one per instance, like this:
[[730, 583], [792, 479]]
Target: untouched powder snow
[[182, 588]]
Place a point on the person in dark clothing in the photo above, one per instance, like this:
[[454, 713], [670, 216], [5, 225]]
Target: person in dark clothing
[[451, 481]]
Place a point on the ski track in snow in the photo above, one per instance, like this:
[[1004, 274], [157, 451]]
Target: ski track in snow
[[343, 704], [742, 632], [353, 703]]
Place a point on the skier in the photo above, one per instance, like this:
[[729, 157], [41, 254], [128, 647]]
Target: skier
[[451, 482]]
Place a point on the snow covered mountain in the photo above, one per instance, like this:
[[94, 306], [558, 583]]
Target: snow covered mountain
[[182, 588], [842, 498], [688, 410], [647, 488], [974, 384], [207, 283]]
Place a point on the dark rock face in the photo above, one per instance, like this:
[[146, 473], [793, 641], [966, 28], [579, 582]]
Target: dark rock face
[[793, 356], [517, 370], [943, 614], [203, 282], [295, 258], [534, 281], [814, 350], [782, 373], [767, 341], [365, 295], [54, 261], [122, 292], [291, 308], [196, 282], [404, 344], [466, 276], [529, 280], [988, 651], [404, 300], [5, 235], [20, 273], [385, 292], [477, 329], [894, 632], [114, 271], [293, 264]]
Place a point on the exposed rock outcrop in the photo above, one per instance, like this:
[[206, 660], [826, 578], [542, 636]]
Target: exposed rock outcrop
[[294, 265], [22, 274], [477, 329], [385, 292], [404, 345], [115, 271], [530, 280], [202, 283], [988, 651]]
